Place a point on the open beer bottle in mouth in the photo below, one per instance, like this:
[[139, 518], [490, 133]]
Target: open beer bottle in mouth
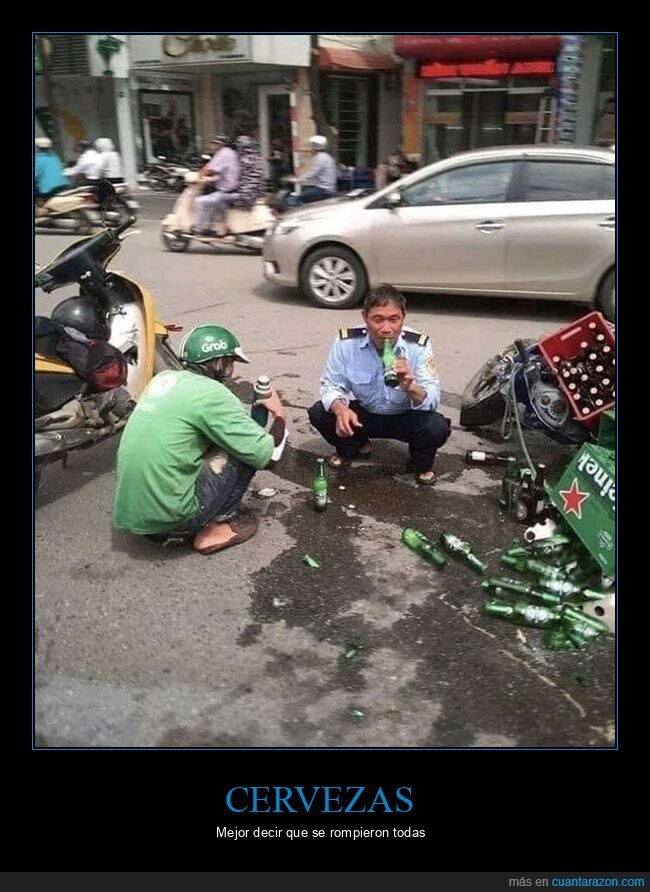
[[388, 360]]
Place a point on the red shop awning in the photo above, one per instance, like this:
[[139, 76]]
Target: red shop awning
[[334, 59], [477, 46]]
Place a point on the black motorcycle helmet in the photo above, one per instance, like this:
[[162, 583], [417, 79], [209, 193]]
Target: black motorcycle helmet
[[82, 313]]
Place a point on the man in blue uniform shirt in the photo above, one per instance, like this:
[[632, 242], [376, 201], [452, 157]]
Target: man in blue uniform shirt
[[356, 405]]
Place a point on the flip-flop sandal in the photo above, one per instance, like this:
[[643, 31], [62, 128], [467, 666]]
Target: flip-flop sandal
[[421, 481], [243, 529], [336, 461]]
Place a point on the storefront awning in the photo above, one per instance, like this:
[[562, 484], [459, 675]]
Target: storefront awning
[[477, 46], [335, 59]]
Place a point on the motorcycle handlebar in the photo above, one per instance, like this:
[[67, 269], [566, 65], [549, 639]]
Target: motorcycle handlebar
[[124, 226]]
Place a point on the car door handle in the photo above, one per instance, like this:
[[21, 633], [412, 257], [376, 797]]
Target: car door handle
[[608, 223], [490, 225]]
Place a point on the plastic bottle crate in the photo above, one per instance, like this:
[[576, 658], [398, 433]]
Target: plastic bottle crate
[[565, 343]]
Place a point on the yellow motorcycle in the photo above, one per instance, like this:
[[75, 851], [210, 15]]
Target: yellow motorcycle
[[70, 411]]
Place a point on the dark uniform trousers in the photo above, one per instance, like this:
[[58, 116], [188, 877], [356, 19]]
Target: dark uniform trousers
[[425, 432]]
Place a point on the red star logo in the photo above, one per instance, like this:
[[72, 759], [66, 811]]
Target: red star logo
[[573, 499]]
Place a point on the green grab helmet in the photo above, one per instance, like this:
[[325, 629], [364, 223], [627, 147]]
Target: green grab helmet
[[206, 342]]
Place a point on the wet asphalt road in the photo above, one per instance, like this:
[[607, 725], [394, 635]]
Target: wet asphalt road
[[139, 646]]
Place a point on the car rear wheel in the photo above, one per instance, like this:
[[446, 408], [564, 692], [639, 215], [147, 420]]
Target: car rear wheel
[[333, 277], [606, 298]]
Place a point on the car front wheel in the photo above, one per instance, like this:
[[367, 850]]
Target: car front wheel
[[333, 277]]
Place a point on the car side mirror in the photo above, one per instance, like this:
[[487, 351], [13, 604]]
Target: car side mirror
[[393, 200]]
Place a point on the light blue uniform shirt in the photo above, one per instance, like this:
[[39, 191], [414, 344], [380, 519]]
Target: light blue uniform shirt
[[354, 371], [322, 173]]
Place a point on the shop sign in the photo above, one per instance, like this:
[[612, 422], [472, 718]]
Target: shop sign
[[166, 49]]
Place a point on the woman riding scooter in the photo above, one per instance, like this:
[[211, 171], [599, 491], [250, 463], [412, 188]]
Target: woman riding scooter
[[48, 170]]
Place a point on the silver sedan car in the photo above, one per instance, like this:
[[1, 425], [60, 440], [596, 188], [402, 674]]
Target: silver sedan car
[[514, 221]]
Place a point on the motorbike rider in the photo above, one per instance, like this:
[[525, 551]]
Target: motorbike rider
[[221, 174], [319, 182], [48, 170], [190, 449], [251, 173], [110, 161], [88, 167]]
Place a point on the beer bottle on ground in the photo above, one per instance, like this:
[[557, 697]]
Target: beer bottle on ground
[[421, 545], [509, 485], [388, 358], [536, 615], [319, 486], [456, 546], [482, 457], [525, 503], [502, 584]]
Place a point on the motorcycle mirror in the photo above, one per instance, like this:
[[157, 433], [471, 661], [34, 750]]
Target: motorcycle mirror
[[104, 192]]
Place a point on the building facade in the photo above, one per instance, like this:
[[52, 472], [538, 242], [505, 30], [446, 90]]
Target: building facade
[[466, 91]]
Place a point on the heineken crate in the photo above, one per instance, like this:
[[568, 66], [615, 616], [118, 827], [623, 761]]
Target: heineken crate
[[585, 496], [607, 430], [565, 343]]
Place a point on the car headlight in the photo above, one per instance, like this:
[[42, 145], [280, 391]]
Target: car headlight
[[284, 227]]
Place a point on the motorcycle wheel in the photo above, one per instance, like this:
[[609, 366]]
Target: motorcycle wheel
[[175, 242], [482, 401]]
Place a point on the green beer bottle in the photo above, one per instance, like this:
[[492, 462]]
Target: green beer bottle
[[531, 565], [421, 545], [388, 358], [501, 584], [558, 639], [456, 546], [509, 485], [319, 486], [564, 587], [573, 615], [535, 615]]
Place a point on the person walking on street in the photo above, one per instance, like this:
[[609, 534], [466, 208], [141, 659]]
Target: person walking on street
[[190, 450], [357, 406]]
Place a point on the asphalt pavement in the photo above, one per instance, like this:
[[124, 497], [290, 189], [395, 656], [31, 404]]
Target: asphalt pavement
[[139, 646]]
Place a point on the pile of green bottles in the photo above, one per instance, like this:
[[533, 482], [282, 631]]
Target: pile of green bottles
[[565, 578]]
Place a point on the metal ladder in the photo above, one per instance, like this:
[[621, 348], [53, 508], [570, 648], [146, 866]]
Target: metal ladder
[[545, 129]]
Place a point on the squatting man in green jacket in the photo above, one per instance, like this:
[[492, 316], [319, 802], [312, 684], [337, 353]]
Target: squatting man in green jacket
[[190, 449]]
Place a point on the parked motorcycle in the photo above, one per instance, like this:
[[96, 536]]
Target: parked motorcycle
[[166, 175], [246, 227], [518, 386], [76, 210], [69, 413], [352, 182]]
